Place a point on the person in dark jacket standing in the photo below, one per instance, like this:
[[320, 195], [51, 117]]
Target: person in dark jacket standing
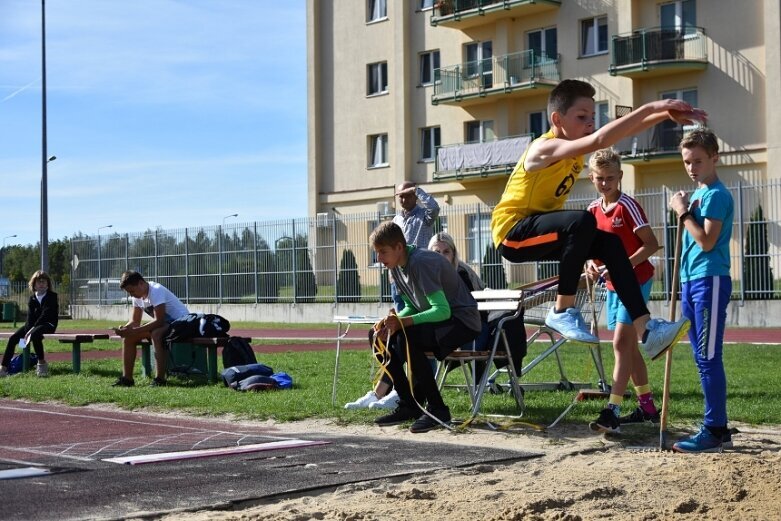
[[42, 313]]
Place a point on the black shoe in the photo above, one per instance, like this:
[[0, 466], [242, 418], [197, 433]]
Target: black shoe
[[639, 416], [123, 382], [158, 382], [426, 423], [401, 414], [607, 422]]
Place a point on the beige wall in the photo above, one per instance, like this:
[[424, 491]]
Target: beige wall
[[744, 68]]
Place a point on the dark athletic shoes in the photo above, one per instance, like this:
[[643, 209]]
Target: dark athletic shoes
[[607, 422], [639, 416]]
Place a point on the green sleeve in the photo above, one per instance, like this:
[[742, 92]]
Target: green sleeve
[[408, 310], [438, 312]]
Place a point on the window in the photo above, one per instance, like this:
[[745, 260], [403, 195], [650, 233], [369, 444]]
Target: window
[[377, 78], [669, 132], [376, 10], [425, 4], [679, 16], [593, 36], [601, 111], [378, 150], [429, 63], [440, 224], [479, 62], [543, 44], [538, 123], [479, 131], [429, 141], [478, 236]]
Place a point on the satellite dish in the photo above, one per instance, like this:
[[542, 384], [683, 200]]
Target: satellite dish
[[75, 262]]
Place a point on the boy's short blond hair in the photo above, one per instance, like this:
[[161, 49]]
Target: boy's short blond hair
[[387, 233], [606, 158], [701, 137]]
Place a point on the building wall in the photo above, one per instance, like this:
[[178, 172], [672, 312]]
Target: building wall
[[744, 67]]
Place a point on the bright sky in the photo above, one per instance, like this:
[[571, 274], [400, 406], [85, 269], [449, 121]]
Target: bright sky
[[162, 113]]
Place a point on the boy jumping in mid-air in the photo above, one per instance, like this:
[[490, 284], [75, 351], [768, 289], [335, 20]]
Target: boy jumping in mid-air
[[706, 284], [622, 215], [529, 225]]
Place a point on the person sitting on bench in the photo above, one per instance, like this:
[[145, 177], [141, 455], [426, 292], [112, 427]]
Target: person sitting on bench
[[164, 307]]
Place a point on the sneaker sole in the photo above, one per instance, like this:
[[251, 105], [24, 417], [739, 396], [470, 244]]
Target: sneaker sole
[[704, 451], [681, 332], [426, 429], [595, 427]]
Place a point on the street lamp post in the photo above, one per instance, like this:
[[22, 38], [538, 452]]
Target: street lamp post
[[219, 259], [2, 253], [44, 155], [100, 279]]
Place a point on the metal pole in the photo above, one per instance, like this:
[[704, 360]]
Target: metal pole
[[44, 157], [295, 279], [742, 243], [219, 264], [100, 279], [186, 267], [255, 260]]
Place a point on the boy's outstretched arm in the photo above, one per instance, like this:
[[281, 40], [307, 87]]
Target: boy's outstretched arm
[[548, 152]]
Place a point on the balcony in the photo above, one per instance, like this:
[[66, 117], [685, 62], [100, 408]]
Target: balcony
[[479, 160], [658, 144], [463, 14], [655, 52], [518, 74]]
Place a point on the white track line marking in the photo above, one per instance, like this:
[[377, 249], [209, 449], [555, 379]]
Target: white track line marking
[[27, 472]]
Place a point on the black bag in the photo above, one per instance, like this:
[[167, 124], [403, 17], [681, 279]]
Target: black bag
[[231, 376], [237, 352], [194, 325]]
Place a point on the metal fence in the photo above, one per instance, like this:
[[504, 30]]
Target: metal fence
[[328, 258]]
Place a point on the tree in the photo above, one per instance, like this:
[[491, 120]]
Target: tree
[[757, 273], [268, 278], [492, 272], [348, 282], [305, 283]]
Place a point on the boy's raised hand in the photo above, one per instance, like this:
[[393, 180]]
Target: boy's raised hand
[[688, 117]]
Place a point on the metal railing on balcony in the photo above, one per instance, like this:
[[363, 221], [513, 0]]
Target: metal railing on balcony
[[465, 160], [658, 46], [499, 74], [661, 140], [455, 9]]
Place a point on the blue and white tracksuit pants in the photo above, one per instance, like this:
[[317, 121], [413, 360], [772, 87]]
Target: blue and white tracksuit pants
[[704, 302]]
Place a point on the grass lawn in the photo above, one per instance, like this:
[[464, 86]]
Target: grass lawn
[[752, 372]]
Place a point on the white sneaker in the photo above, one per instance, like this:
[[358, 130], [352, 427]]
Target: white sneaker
[[662, 335], [363, 402], [3, 371], [42, 369], [389, 401], [570, 324]]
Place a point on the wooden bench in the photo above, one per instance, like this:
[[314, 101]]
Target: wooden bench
[[209, 343], [74, 340]]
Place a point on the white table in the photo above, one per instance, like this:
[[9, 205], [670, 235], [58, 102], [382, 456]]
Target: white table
[[344, 322]]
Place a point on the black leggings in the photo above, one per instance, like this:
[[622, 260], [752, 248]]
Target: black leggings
[[440, 338], [36, 338], [572, 237]]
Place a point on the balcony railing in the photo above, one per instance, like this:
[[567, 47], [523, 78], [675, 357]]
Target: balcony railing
[[467, 13], [516, 72], [469, 160], [658, 143], [659, 50]]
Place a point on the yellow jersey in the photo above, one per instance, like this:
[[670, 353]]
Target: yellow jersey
[[530, 193]]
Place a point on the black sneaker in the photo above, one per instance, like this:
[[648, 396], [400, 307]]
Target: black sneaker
[[401, 414], [123, 382], [607, 422], [426, 423], [639, 416], [158, 382]]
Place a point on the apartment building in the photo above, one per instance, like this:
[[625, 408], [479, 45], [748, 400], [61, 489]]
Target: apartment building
[[448, 93]]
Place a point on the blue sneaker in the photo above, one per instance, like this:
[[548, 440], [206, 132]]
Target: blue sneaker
[[662, 335], [570, 324], [703, 441]]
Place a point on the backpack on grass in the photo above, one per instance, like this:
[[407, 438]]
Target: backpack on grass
[[237, 352]]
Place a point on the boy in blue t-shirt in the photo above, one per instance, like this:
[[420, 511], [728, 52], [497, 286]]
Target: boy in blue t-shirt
[[705, 282]]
